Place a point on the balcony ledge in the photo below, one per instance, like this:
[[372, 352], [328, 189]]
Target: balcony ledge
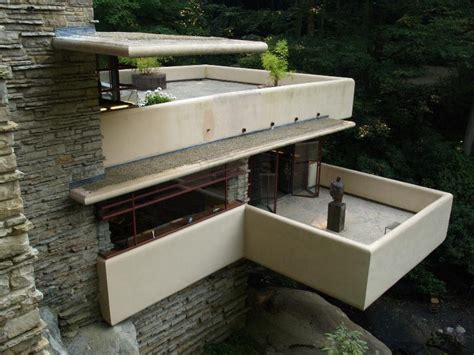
[[144, 173], [143, 132], [134, 44], [355, 272]]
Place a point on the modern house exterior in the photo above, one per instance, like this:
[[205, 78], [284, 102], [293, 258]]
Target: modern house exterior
[[147, 214]]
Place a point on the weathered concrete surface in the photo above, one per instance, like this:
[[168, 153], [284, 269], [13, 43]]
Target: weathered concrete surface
[[135, 44], [296, 322], [190, 89], [99, 338], [365, 220], [148, 172]]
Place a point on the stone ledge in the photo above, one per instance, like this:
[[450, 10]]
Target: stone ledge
[[5, 71], [10, 126], [33, 7], [37, 331]]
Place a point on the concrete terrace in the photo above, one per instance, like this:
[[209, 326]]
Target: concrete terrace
[[190, 89], [365, 220]]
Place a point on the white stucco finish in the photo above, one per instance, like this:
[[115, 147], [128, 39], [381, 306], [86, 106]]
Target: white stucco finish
[[141, 277], [350, 271], [133, 134], [316, 258]]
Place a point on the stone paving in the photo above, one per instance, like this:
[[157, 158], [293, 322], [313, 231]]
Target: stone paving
[[365, 220], [190, 89]]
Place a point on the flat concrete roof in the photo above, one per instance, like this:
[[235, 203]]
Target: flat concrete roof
[[135, 44], [365, 220], [190, 89], [144, 173]]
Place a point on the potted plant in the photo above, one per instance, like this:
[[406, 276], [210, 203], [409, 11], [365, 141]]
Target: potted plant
[[147, 76], [276, 61]]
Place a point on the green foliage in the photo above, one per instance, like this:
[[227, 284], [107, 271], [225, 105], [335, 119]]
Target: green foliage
[[237, 344], [116, 14], [143, 65], [158, 16], [426, 282], [276, 61], [345, 342], [146, 65]]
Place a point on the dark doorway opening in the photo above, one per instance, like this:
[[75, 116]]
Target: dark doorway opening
[[294, 169]]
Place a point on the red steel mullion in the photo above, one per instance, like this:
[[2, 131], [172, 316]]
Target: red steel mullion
[[275, 193], [225, 187], [118, 203], [186, 190], [318, 178], [318, 175], [117, 252], [134, 221]]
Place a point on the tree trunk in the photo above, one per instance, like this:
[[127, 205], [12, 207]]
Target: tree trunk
[[322, 16], [311, 18], [469, 137], [299, 17]]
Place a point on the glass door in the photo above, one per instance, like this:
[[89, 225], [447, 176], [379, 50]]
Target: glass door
[[306, 169]]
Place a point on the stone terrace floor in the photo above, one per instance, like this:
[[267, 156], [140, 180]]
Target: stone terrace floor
[[190, 89], [365, 220]]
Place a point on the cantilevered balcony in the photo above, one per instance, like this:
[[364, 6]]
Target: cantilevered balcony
[[225, 115], [216, 103], [356, 266]]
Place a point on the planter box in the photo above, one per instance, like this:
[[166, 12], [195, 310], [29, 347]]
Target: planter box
[[149, 81]]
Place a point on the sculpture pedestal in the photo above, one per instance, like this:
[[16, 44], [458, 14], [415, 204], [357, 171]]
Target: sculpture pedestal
[[336, 216]]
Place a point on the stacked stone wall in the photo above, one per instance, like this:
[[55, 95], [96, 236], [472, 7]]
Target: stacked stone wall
[[237, 187], [21, 329], [53, 99], [205, 312]]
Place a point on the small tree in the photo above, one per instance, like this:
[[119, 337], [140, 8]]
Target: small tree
[[146, 65], [345, 342], [142, 65], [276, 61]]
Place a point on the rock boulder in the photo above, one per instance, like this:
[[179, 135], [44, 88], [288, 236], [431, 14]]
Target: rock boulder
[[296, 322], [99, 338]]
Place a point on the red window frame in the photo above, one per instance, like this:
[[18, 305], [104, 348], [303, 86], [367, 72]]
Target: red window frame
[[131, 203]]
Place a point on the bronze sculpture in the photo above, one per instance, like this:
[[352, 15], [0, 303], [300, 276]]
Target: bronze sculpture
[[337, 190], [336, 208]]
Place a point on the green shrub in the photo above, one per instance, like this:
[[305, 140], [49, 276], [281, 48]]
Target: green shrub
[[143, 65], [237, 344], [345, 342], [276, 61], [425, 282], [146, 65]]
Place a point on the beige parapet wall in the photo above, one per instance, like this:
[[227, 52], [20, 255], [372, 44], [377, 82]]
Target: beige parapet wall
[[138, 133], [322, 260], [352, 272], [134, 280]]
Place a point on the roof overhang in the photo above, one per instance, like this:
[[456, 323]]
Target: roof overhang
[[135, 44], [144, 173]]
